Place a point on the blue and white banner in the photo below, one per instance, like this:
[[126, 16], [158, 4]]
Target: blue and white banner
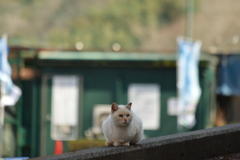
[[10, 92], [189, 90]]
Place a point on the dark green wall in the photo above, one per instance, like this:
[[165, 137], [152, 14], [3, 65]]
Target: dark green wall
[[104, 85]]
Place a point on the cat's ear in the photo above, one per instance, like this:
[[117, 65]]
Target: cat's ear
[[128, 106], [114, 107]]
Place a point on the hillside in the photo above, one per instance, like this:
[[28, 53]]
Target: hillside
[[136, 25], [98, 24]]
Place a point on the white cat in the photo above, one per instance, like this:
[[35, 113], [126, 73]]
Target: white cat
[[122, 127]]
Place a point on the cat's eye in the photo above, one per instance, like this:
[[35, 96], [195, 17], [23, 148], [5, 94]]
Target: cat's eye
[[128, 115], [120, 115]]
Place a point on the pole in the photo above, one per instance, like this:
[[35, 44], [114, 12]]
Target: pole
[[189, 18], [19, 111], [1, 129]]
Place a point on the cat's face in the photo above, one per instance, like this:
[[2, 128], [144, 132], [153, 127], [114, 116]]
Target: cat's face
[[121, 115]]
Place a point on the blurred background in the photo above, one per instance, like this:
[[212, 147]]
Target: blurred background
[[87, 54]]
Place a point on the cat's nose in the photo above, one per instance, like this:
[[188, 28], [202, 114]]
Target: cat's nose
[[125, 119]]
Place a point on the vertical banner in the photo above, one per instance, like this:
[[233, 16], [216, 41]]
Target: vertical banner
[[10, 93], [189, 90]]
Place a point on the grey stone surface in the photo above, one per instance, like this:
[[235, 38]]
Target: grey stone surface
[[227, 157], [195, 145]]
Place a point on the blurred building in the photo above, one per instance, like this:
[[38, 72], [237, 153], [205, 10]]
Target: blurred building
[[82, 85], [216, 24]]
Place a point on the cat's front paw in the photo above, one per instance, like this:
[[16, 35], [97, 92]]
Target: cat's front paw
[[115, 143], [126, 144], [109, 143]]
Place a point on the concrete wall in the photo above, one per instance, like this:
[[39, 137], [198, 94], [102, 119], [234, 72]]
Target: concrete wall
[[191, 145]]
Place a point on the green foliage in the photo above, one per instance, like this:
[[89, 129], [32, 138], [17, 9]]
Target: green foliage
[[123, 22], [96, 26]]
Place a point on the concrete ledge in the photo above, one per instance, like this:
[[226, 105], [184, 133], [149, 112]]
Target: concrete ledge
[[195, 145]]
